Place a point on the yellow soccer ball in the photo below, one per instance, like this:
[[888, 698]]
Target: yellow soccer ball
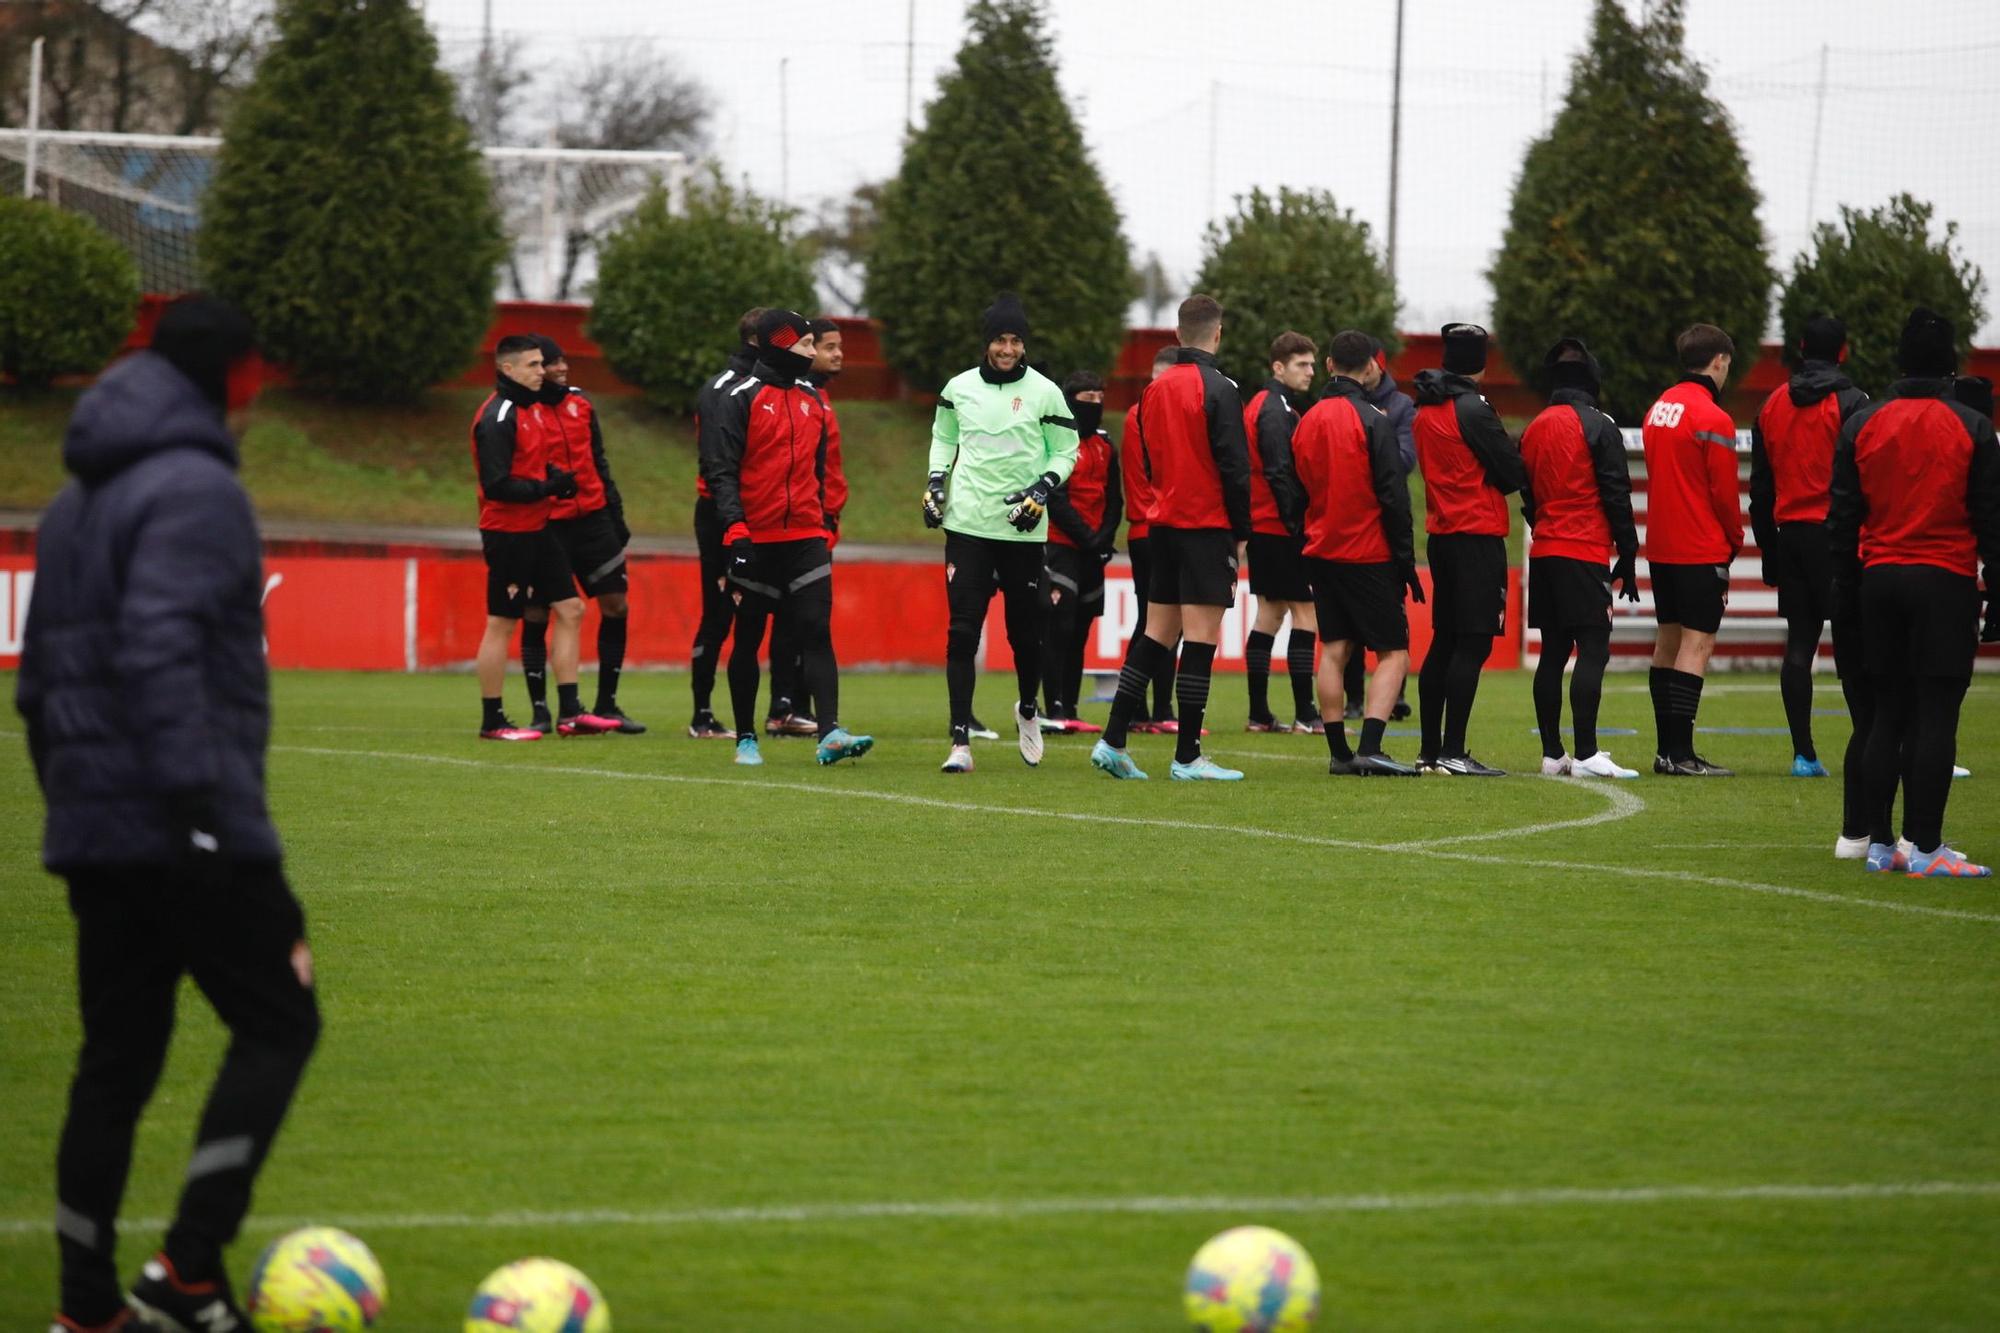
[[317, 1280], [1252, 1280], [537, 1296]]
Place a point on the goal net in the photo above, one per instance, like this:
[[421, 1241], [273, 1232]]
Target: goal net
[[556, 204]]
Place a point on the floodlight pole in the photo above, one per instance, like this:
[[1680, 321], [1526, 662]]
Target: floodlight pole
[[1214, 119], [910, 71], [1395, 141], [784, 131], [1819, 120], [34, 115]]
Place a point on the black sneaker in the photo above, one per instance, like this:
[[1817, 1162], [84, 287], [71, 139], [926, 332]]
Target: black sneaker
[[1379, 766], [706, 728], [626, 726], [1697, 767], [1664, 767], [542, 722], [1465, 766], [1341, 768], [162, 1296], [982, 732], [1400, 712], [1429, 767]]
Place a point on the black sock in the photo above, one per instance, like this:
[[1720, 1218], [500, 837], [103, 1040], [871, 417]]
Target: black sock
[[1142, 659], [1163, 684], [569, 702], [1586, 687], [1663, 723], [1336, 740], [1548, 691], [1371, 734], [1299, 661], [492, 718], [1684, 702], [1257, 665], [535, 662], [1191, 693], [610, 661]]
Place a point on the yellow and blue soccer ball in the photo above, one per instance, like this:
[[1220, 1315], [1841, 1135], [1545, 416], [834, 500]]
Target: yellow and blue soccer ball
[[537, 1296], [1252, 1280], [317, 1280]]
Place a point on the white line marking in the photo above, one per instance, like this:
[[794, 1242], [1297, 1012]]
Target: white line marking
[[1165, 1205], [1172, 825]]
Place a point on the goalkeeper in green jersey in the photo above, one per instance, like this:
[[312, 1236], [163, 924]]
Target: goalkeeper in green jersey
[[1002, 440]]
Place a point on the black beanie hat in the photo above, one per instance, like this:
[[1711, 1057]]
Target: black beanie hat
[[201, 336], [1464, 348], [780, 331], [1822, 338], [1976, 392], [1928, 346], [550, 352], [1005, 315], [1580, 372]]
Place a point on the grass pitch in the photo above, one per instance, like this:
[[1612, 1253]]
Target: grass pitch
[[870, 1048]]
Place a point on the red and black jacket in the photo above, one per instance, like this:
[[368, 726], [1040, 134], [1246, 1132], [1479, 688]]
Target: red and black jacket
[[1577, 496], [512, 436], [1190, 429], [1138, 487], [1916, 481], [1792, 443], [711, 397], [577, 446], [1470, 465], [1343, 487], [763, 455], [1083, 511], [836, 473], [1693, 513], [1268, 422]]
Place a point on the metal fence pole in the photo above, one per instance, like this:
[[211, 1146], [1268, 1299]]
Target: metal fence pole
[[34, 115]]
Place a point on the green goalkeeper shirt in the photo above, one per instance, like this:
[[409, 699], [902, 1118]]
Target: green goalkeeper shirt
[[994, 436]]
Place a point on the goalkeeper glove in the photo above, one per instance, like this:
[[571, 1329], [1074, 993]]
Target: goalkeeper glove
[[934, 501], [560, 484], [1626, 573], [1414, 584], [1030, 503]]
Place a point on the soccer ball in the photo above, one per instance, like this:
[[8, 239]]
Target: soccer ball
[[1252, 1280], [318, 1280], [537, 1296]]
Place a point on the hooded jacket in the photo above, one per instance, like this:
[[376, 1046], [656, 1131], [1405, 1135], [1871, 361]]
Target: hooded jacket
[[1343, 486], [1916, 481], [1792, 442], [1401, 410], [1084, 510], [763, 454], [576, 444], [1578, 493], [143, 683], [1470, 465]]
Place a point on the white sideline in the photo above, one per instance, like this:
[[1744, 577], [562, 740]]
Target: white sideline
[[1155, 1205], [1179, 826]]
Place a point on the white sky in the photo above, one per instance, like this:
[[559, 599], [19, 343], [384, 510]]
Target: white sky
[[1298, 93]]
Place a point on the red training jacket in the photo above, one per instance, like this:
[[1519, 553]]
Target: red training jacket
[[1090, 486], [1578, 498], [763, 454], [577, 445], [1357, 500], [1190, 428], [511, 436], [1270, 410], [1917, 482], [1469, 465], [1693, 513], [1138, 487]]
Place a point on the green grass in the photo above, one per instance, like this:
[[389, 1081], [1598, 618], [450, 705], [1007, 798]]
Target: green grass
[[622, 974], [308, 459]]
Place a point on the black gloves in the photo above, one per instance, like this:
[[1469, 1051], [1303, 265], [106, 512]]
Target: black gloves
[[741, 554], [1414, 584], [560, 484], [1104, 553], [1991, 633], [1626, 573], [1030, 503], [934, 501]]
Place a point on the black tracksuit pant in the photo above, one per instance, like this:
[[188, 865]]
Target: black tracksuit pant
[[973, 566], [239, 932]]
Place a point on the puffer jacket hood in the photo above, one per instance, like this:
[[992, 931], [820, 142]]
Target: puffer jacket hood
[[140, 407], [1437, 386], [1816, 380]]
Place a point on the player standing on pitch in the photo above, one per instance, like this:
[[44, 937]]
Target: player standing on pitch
[[1401, 409], [1343, 487], [146, 696], [1578, 500], [1277, 568], [718, 609], [1915, 510], [1694, 530], [1083, 534], [590, 527], [1470, 468], [1001, 441], [1791, 469], [1139, 546], [763, 454], [1190, 433]]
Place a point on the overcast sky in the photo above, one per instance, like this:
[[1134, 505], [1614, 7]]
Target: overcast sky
[[1185, 103]]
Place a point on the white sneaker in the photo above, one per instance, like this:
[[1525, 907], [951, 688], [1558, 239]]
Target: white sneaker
[[959, 760], [1960, 771], [1030, 728], [1601, 765], [1850, 849], [1555, 768]]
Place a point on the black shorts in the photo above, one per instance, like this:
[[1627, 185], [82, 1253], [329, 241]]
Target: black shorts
[[1468, 583], [1803, 564], [1073, 577], [1690, 596], [590, 544], [1567, 593], [783, 570], [1277, 568], [1359, 603], [524, 569], [1919, 620], [1193, 567]]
